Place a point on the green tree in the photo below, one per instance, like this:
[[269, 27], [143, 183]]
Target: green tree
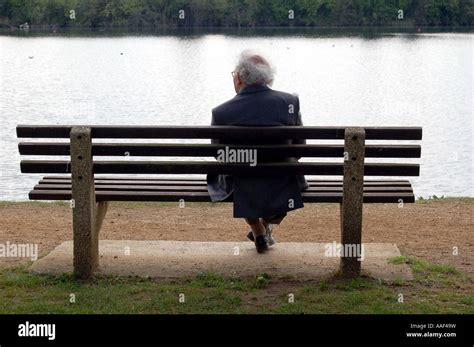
[[236, 13]]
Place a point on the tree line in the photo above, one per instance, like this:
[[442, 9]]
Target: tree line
[[236, 13]]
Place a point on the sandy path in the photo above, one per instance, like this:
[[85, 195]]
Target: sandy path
[[429, 231]]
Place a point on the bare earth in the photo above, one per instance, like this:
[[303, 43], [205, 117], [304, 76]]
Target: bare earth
[[428, 231]]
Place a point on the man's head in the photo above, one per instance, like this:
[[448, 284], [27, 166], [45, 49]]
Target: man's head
[[252, 69]]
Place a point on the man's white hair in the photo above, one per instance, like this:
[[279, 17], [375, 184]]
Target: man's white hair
[[253, 69]]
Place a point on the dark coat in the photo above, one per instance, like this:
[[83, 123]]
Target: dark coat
[[256, 197]]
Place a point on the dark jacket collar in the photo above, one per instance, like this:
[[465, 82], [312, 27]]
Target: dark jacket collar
[[255, 88]]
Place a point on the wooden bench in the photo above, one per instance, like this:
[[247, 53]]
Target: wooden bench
[[90, 192]]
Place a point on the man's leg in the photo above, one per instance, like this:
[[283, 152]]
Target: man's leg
[[276, 219], [259, 234], [256, 226], [267, 223]]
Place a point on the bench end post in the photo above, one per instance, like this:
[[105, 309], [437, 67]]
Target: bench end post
[[86, 241], [352, 202]]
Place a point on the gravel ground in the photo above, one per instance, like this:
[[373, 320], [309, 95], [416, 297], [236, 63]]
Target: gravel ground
[[425, 230]]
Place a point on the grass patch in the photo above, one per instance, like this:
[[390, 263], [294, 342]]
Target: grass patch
[[437, 288], [430, 274]]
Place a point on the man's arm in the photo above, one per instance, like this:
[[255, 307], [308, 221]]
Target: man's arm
[[298, 122], [302, 183]]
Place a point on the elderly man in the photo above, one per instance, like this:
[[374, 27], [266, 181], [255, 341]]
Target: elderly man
[[262, 201]]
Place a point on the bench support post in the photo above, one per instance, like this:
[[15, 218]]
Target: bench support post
[[352, 201], [87, 215]]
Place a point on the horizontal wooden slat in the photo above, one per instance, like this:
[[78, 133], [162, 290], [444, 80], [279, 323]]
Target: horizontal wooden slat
[[204, 183], [220, 132], [185, 167], [204, 197], [197, 179], [102, 177], [210, 150], [131, 181], [177, 188]]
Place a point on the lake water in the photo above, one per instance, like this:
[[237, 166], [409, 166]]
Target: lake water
[[382, 79]]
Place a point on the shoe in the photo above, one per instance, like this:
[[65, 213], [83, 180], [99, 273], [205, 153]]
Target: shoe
[[261, 243], [269, 230]]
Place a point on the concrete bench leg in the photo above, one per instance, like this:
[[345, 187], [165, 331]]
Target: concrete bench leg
[[87, 214], [352, 200]]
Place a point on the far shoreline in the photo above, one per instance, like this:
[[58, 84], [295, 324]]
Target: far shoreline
[[288, 30]]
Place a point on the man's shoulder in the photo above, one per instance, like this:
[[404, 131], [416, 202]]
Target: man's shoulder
[[285, 95], [225, 105], [219, 113], [232, 110]]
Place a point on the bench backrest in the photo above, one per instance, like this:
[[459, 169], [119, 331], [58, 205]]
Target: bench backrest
[[227, 135]]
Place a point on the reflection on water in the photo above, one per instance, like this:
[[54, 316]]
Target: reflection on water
[[342, 77]]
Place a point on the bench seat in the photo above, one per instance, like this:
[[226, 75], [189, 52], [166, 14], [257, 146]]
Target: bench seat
[[173, 189], [90, 180]]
